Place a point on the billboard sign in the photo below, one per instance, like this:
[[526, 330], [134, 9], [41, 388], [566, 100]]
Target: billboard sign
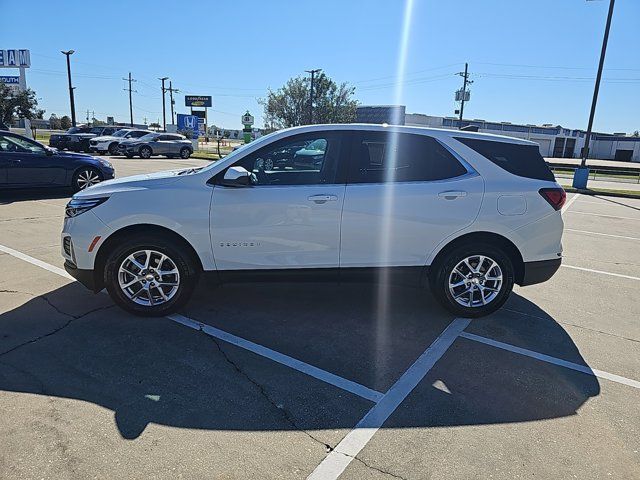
[[188, 122], [15, 59], [197, 101], [12, 82]]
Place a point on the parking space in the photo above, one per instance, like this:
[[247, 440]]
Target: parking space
[[292, 380]]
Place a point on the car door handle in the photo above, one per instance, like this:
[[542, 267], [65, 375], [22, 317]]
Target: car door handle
[[322, 198], [452, 194]]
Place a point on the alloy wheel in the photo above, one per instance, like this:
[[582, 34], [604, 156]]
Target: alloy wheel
[[475, 281], [148, 277], [86, 178]]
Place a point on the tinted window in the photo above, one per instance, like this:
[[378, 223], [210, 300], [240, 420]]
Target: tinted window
[[301, 160], [401, 157], [9, 143], [518, 159], [137, 134]]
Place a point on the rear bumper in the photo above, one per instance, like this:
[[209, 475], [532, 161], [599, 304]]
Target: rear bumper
[[541, 271], [85, 277]]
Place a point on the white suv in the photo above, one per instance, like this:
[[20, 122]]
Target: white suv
[[467, 214]]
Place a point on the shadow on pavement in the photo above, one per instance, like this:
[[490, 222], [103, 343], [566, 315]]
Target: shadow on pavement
[[154, 370], [22, 195]]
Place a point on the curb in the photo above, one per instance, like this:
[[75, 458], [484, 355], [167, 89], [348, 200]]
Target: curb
[[601, 193]]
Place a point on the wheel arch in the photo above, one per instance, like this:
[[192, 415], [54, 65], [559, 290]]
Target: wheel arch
[[144, 146], [117, 236], [491, 238]]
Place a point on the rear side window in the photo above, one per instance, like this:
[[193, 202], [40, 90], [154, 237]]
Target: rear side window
[[401, 157], [518, 159]]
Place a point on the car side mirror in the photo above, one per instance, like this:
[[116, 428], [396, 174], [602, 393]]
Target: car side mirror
[[236, 177], [49, 151]]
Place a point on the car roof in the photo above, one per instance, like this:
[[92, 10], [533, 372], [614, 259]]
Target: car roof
[[433, 132]]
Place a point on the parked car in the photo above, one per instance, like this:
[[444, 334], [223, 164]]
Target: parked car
[[109, 143], [170, 145], [77, 139], [467, 214], [25, 163]]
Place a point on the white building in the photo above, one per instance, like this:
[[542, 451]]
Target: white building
[[555, 141]]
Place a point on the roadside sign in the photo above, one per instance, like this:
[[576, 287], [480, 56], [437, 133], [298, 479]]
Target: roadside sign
[[15, 59], [197, 101], [188, 122], [12, 82]]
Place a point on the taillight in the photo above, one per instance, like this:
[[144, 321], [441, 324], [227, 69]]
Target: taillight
[[555, 196]]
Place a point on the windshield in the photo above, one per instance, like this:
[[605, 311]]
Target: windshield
[[121, 133], [74, 130], [97, 130]]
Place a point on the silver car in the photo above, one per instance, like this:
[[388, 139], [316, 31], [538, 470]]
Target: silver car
[[170, 145]]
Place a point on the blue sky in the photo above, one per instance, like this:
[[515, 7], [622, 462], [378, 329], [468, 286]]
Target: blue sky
[[531, 61]]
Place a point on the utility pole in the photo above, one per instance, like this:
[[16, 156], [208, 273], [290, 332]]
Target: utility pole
[[164, 108], [88, 117], [581, 175], [313, 73], [171, 90], [465, 82], [68, 53], [130, 100]]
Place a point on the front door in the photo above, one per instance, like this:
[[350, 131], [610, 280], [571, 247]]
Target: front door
[[290, 216], [28, 163], [405, 194]]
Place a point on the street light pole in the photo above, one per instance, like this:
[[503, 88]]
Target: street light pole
[[581, 175], [71, 100], [164, 108]]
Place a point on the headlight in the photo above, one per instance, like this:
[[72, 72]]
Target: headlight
[[80, 205], [105, 163]]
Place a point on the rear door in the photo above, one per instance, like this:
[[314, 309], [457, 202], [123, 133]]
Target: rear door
[[289, 218], [405, 194]]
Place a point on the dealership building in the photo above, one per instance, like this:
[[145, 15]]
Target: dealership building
[[554, 140]]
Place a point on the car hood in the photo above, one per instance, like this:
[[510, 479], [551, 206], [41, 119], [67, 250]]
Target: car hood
[[124, 184], [74, 155]]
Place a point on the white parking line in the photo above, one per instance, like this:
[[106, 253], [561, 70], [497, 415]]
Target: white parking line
[[591, 270], [602, 234], [330, 378], [569, 203], [604, 215], [34, 261], [549, 359], [337, 461], [335, 380]]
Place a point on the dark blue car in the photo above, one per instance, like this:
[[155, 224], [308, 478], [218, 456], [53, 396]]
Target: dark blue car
[[25, 163]]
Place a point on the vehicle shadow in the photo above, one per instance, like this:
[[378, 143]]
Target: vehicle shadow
[[71, 344], [11, 196]]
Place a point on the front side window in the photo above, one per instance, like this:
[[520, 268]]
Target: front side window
[[137, 134], [401, 157], [300, 160], [149, 137], [10, 143], [120, 133]]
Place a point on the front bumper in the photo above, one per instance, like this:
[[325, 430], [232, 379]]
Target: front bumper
[[540, 271], [85, 277]]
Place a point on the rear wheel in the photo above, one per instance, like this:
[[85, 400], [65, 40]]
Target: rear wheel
[[150, 275], [85, 177], [145, 152], [185, 153], [473, 280]]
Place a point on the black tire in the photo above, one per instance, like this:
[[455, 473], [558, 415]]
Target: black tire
[[175, 251], [78, 182], [145, 152], [442, 271], [185, 153], [113, 149]]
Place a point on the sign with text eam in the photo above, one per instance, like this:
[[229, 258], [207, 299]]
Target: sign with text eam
[[15, 58]]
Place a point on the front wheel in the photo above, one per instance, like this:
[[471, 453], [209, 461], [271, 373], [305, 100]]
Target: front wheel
[[113, 148], [85, 177], [150, 276], [473, 280], [145, 152]]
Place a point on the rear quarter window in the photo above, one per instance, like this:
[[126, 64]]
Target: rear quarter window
[[518, 159]]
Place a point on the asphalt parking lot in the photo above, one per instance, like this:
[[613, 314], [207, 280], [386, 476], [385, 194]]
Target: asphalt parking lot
[[293, 380]]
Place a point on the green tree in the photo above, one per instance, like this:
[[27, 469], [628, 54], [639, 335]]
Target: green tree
[[54, 122], [65, 122], [289, 105], [154, 126], [18, 105]]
